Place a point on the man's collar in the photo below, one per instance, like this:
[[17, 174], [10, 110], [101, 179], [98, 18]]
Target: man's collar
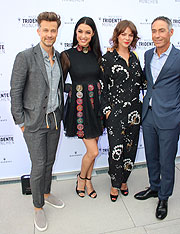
[[45, 54], [167, 52]]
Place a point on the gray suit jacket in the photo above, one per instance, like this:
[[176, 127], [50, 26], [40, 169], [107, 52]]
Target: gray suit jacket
[[29, 88], [165, 92]]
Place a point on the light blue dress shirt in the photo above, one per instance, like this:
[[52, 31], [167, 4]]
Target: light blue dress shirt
[[157, 64], [53, 73]]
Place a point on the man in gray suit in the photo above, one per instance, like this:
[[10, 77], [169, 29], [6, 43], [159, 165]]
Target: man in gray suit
[[37, 107], [161, 114]]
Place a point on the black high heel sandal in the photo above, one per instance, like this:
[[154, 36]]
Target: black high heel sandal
[[93, 192], [114, 197], [80, 191], [124, 192]]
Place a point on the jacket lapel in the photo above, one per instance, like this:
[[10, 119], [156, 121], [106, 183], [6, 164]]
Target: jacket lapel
[[167, 64], [40, 61]]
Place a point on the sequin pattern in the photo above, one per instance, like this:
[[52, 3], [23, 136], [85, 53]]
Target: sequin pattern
[[79, 101]]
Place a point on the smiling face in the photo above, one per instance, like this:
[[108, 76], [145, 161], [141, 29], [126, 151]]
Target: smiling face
[[48, 31], [125, 38], [161, 35], [84, 33]]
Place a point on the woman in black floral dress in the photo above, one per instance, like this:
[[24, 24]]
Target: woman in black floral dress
[[83, 114], [122, 81]]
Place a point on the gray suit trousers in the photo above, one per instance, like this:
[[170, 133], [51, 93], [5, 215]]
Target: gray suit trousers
[[42, 146]]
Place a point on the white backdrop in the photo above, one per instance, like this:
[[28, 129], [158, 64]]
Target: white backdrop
[[18, 32]]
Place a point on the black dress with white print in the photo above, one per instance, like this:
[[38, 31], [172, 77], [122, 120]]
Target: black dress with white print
[[121, 84]]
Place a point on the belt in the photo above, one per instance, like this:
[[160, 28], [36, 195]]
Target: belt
[[150, 107]]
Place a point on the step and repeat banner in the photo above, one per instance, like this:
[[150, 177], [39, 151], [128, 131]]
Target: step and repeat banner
[[18, 27]]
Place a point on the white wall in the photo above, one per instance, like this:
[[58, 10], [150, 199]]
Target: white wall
[[18, 32]]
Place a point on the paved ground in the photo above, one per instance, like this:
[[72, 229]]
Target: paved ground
[[88, 216]]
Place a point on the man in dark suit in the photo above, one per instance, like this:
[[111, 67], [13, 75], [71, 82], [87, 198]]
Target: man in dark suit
[[37, 107], [161, 114]]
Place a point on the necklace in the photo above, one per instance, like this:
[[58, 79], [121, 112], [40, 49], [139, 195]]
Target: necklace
[[85, 50]]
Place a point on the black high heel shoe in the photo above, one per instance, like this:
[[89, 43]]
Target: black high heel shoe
[[77, 190], [124, 192], [93, 192], [114, 197]]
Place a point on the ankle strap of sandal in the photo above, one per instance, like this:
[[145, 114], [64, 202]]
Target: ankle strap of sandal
[[81, 177], [88, 178]]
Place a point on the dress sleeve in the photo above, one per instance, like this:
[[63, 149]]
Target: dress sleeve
[[65, 63], [105, 104], [143, 79]]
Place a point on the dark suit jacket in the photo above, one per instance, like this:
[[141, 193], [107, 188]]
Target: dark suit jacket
[[165, 92], [30, 89]]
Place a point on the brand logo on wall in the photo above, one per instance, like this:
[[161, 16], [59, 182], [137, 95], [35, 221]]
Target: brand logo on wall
[[141, 142], [146, 22], [2, 119], [6, 140], [145, 44], [75, 154], [149, 1], [104, 132], [177, 45], [2, 48], [104, 151], [110, 21], [66, 45], [69, 21], [4, 96], [28, 21], [176, 22], [5, 160]]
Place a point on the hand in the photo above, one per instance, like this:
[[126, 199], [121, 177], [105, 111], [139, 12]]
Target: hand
[[109, 49], [22, 128], [107, 114]]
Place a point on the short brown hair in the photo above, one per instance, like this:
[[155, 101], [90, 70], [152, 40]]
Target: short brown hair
[[120, 28], [48, 16]]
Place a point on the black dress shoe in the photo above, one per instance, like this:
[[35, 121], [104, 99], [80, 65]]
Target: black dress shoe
[[162, 208], [143, 195]]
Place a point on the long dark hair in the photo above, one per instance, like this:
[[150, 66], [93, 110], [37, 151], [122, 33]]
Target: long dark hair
[[120, 28], [94, 43]]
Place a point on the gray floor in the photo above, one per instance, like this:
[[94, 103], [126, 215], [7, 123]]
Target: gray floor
[[88, 216]]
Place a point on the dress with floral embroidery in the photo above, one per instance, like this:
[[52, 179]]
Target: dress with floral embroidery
[[83, 117], [120, 95]]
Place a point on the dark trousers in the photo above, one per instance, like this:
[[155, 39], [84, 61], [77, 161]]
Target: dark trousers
[[123, 144], [42, 146], [160, 148]]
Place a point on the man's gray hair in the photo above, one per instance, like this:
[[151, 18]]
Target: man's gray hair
[[165, 19]]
